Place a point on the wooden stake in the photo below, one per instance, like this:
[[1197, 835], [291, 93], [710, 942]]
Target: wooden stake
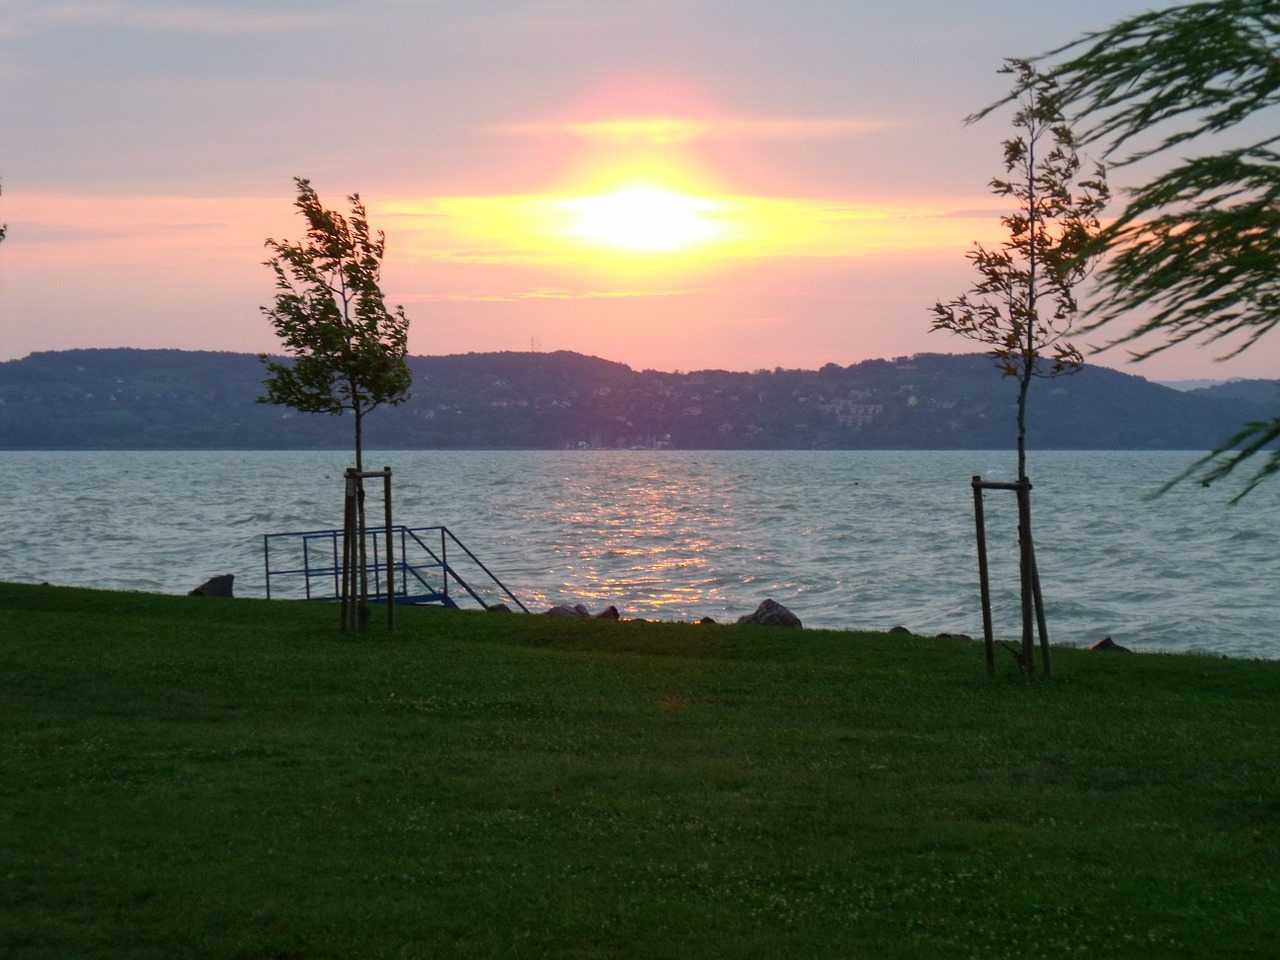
[[348, 543], [1026, 563], [984, 578], [1046, 658], [391, 553]]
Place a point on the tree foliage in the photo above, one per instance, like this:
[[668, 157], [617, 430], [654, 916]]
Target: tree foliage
[[346, 349], [1194, 256], [1023, 305]]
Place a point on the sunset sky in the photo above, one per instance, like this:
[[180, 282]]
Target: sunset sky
[[673, 184]]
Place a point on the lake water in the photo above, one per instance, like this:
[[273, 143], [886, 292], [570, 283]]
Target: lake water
[[845, 539]]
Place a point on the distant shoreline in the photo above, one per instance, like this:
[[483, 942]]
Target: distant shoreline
[[175, 400]]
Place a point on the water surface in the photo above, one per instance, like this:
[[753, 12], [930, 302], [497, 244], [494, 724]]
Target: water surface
[[844, 538]]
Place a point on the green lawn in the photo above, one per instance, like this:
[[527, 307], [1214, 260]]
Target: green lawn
[[194, 777]]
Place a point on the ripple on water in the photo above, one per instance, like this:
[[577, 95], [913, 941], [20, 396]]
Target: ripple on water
[[848, 539]]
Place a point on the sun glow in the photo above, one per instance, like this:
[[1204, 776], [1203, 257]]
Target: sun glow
[[644, 218], [647, 228], [633, 212]]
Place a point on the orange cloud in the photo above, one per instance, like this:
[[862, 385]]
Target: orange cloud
[[592, 230], [665, 131], [543, 293]]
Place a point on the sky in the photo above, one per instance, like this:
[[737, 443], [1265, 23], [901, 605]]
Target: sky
[[673, 184]]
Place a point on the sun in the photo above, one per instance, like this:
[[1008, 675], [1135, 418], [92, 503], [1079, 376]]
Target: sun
[[644, 219]]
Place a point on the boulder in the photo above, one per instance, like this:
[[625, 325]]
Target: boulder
[[578, 610], [215, 587], [498, 608], [901, 630], [1106, 643], [564, 610], [770, 613]]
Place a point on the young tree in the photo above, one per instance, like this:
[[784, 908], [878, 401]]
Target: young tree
[[347, 350], [1195, 253], [1023, 305]]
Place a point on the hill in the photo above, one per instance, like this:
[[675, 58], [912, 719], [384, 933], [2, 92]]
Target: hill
[[174, 399]]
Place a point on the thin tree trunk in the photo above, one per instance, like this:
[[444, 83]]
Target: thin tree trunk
[[362, 612], [1029, 348], [1026, 565], [359, 415], [1024, 523], [1023, 388]]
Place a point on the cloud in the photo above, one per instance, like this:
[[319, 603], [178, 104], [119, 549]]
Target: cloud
[[974, 213], [542, 293], [41, 232], [675, 130], [164, 17], [545, 231]]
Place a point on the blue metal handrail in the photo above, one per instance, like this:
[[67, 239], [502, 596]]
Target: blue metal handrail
[[414, 579]]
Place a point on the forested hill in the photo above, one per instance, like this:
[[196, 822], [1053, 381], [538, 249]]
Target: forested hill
[[173, 399]]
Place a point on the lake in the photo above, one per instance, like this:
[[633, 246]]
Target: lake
[[845, 539]]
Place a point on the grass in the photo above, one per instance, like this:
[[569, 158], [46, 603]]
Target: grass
[[196, 777]]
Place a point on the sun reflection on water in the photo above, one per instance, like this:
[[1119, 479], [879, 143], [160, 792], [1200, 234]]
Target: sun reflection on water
[[649, 537]]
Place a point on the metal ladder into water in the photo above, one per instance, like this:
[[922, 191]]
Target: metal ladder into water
[[309, 561]]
